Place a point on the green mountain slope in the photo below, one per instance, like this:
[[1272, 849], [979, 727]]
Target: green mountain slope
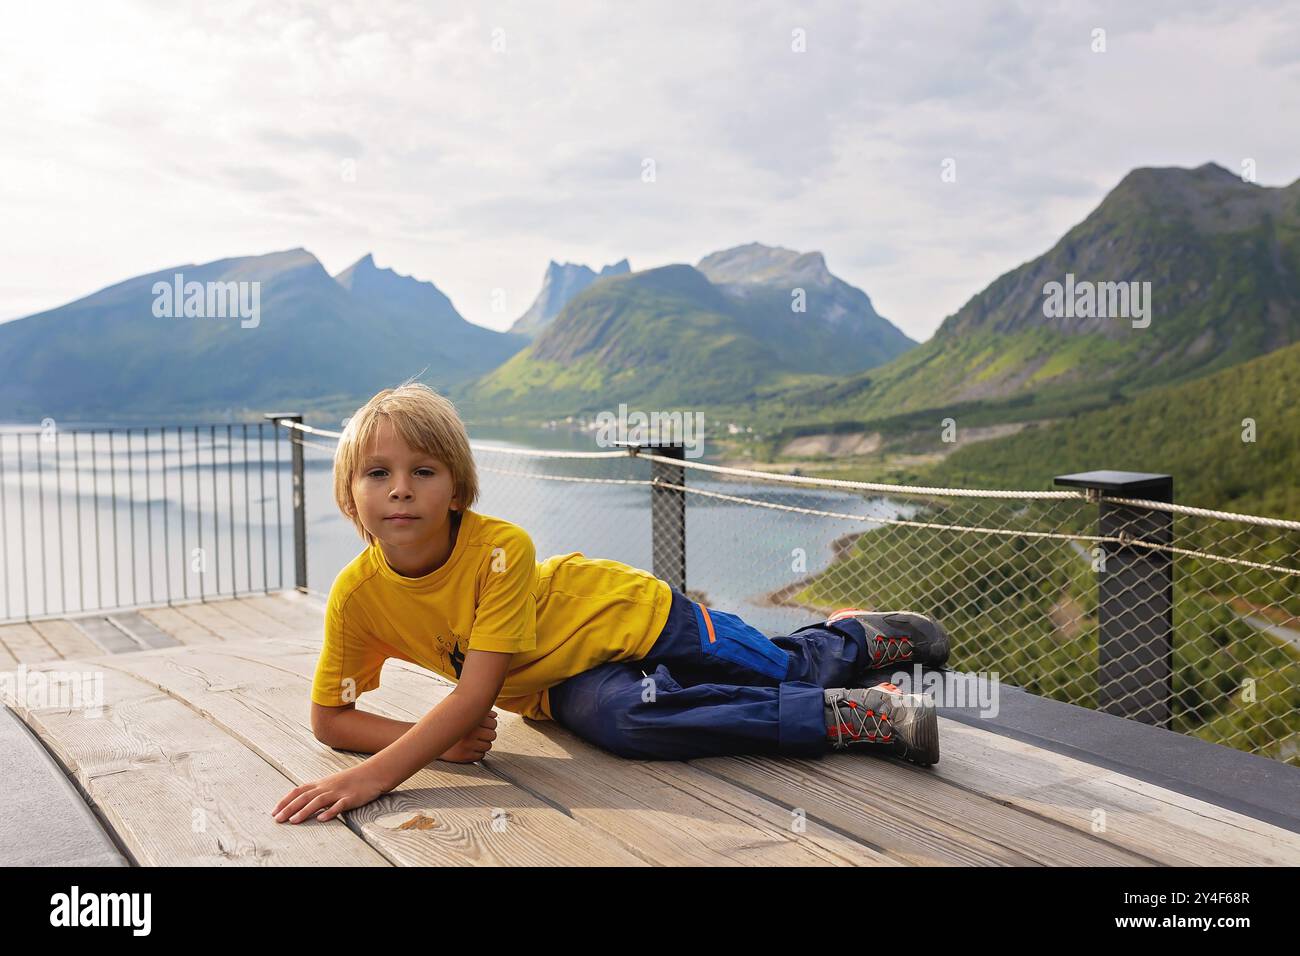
[[560, 284], [1027, 608], [670, 337], [1192, 431], [663, 336]]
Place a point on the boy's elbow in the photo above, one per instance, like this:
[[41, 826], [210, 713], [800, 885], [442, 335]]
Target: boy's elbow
[[324, 722]]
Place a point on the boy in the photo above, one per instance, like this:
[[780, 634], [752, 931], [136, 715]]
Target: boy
[[609, 651]]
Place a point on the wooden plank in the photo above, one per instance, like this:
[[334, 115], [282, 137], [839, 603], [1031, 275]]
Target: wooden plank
[[908, 809], [7, 659], [223, 625], [69, 640], [184, 629], [296, 613], [177, 790], [142, 630], [112, 639], [26, 645], [916, 839], [446, 814], [1139, 816], [254, 620], [1152, 822], [311, 603], [666, 812], [314, 642]]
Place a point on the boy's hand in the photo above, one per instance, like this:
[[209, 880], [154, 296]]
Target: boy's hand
[[345, 790], [474, 745]]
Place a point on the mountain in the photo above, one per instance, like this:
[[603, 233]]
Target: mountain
[[314, 339], [1222, 257], [665, 336], [559, 285], [417, 312], [717, 334], [842, 328]]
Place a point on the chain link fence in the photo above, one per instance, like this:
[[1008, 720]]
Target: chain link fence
[[1180, 617]]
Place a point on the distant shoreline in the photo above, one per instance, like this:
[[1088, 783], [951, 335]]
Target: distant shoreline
[[784, 596]]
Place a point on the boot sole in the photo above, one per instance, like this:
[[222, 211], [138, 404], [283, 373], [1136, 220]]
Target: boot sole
[[924, 749]]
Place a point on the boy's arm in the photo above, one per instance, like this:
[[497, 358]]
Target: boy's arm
[[481, 678], [346, 728]]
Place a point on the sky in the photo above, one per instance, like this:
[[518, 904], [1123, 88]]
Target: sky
[[470, 144]]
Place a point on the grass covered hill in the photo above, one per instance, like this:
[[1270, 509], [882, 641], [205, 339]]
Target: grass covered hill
[[1192, 431]]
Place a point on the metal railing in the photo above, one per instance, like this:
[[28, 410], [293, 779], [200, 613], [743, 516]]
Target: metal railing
[[1104, 593], [105, 518]]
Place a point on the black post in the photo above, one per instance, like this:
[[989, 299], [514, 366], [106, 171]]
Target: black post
[[667, 510], [668, 517], [299, 503], [1135, 597]]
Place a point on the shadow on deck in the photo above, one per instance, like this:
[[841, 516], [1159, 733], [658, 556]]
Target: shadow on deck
[[205, 725]]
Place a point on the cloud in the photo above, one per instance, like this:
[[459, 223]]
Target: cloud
[[470, 144], [258, 179], [334, 142]]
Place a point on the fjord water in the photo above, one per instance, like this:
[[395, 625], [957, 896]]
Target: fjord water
[[205, 511]]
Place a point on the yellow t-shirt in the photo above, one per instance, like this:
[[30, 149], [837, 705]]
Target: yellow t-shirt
[[559, 617]]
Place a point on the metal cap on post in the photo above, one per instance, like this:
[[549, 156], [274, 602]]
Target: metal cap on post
[[1135, 596], [299, 500]]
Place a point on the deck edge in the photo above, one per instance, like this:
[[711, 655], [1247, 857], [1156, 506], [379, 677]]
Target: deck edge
[[1258, 787]]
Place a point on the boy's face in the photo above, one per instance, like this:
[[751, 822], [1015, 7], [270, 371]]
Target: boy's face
[[395, 479]]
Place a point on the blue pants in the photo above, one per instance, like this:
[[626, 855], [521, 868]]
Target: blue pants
[[713, 685]]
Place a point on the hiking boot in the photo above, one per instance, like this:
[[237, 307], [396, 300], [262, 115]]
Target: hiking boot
[[883, 717], [899, 636]]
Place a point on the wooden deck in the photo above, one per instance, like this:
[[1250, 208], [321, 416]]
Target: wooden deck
[[205, 726]]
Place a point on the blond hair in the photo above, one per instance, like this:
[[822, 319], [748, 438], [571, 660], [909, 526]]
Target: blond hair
[[423, 419]]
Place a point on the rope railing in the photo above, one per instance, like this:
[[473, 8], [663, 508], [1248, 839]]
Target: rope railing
[[1172, 508], [1118, 540], [881, 488], [847, 485], [475, 446]]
